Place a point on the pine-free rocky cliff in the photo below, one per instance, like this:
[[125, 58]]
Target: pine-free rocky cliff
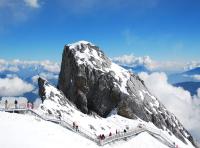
[[94, 83]]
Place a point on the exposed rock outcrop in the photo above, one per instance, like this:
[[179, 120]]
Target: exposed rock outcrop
[[91, 81], [41, 90]]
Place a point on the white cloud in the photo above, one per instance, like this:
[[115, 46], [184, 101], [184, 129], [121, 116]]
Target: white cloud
[[150, 64], [32, 3], [14, 86], [16, 64], [13, 12], [194, 77], [176, 99], [5, 67], [198, 92], [192, 65], [13, 68], [44, 75], [131, 60], [50, 66]]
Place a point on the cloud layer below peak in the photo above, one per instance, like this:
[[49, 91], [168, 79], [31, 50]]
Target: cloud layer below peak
[[153, 65], [14, 86], [16, 65], [176, 99]]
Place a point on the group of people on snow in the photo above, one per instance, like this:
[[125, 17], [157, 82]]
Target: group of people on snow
[[75, 126], [102, 136], [29, 104]]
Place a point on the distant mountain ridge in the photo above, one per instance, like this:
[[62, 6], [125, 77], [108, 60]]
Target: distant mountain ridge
[[195, 71], [136, 69], [186, 80], [186, 76], [192, 87]]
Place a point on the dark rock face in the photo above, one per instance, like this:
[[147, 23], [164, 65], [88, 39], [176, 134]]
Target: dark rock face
[[41, 83], [91, 81]]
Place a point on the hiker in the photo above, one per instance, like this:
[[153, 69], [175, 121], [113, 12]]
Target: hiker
[[15, 104], [74, 125], [6, 104], [77, 128], [110, 134], [124, 130], [32, 105], [116, 132], [59, 116], [103, 137]]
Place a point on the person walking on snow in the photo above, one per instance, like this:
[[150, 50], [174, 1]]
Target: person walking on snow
[[77, 128], [15, 104], [74, 125]]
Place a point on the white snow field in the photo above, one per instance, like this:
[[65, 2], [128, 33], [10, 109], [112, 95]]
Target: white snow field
[[26, 131]]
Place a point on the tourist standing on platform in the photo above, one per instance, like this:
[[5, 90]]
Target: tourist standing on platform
[[6, 104], [16, 104]]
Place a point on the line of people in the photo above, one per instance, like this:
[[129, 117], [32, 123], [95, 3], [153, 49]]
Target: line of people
[[102, 136], [75, 126], [29, 104]]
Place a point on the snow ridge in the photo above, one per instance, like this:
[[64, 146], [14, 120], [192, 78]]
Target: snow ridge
[[92, 124]]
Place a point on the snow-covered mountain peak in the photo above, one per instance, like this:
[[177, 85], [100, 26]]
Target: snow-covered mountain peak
[[88, 54], [79, 44], [90, 80]]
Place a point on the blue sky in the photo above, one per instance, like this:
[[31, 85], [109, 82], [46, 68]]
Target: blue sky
[[165, 30]]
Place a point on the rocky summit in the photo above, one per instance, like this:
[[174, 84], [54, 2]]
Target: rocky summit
[[94, 83]]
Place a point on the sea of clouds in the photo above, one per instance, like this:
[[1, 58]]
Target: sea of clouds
[[176, 99]]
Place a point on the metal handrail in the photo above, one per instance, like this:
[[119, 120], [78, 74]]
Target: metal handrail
[[67, 123]]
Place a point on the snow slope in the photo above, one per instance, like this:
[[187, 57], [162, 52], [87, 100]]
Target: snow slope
[[56, 104], [26, 131]]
